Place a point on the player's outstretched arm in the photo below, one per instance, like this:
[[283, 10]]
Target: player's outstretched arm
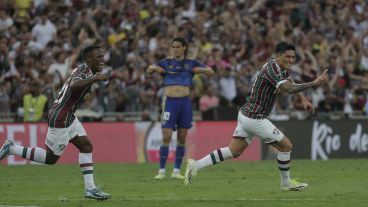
[[295, 88], [207, 70], [307, 105], [82, 83], [154, 68]]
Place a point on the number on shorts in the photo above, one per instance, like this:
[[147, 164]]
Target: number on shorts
[[166, 116]]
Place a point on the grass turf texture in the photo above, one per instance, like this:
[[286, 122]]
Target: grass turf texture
[[332, 183]]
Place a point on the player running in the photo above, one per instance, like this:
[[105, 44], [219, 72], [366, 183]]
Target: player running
[[64, 127], [252, 118]]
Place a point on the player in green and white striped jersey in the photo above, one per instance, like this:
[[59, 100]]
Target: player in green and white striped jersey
[[252, 118], [64, 127]]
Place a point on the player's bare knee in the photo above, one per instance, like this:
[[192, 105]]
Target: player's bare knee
[[87, 148], [182, 137], [166, 140], [235, 152], [286, 148], [289, 147], [181, 141], [51, 160], [284, 145]]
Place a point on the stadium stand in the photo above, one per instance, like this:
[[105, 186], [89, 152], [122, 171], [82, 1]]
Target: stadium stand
[[41, 40]]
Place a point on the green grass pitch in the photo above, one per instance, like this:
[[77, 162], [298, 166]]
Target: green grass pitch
[[332, 183]]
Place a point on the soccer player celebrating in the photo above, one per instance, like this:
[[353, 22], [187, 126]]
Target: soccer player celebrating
[[64, 127], [252, 118], [177, 72]]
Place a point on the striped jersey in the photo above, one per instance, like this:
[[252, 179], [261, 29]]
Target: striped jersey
[[263, 95], [61, 114]]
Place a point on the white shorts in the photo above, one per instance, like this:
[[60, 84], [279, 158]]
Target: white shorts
[[262, 128], [58, 138]]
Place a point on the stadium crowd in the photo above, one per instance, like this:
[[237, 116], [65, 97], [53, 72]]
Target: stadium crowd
[[41, 40]]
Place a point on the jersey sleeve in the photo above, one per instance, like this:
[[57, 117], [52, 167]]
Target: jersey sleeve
[[196, 63], [162, 63], [273, 74], [79, 76]]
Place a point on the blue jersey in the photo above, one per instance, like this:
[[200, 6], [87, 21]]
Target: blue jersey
[[178, 72]]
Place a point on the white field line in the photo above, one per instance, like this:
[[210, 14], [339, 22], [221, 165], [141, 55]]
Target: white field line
[[17, 206], [189, 199]]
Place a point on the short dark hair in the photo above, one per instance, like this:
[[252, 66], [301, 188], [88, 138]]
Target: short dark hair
[[181, 40], [88, 50], [281, 47]]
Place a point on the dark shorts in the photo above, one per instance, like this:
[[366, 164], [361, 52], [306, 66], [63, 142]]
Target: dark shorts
[[176, 112]]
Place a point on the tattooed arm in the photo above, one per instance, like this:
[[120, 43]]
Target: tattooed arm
[[291, 87], [307, 105], [294, 87], [300, 94]]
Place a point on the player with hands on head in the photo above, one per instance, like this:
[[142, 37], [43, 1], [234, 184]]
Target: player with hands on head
[[177, 72]]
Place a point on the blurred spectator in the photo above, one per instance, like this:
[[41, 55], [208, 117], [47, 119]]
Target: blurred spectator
[[63, 62], [4, 60], [34, 104], [4, 97], [41, 40], [227, 86], [5, 23], [241, 96], [208, 102], [44, 30]]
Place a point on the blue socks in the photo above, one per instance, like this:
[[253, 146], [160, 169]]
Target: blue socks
[[164, 152], [180, 151]]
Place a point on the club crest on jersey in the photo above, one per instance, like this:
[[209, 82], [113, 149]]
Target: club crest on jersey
[[276, 132], [61, 147]]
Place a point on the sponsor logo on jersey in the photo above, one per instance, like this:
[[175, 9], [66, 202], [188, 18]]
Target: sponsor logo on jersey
[[186, 66]]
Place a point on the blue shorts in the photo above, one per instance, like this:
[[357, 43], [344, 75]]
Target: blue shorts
[[176, 112]]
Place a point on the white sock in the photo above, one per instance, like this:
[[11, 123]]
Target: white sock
[[176, 171], [39, 155], [16, 150], [86, 164], [214, 157], [283, 159], [34, 154], [161, 171]]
